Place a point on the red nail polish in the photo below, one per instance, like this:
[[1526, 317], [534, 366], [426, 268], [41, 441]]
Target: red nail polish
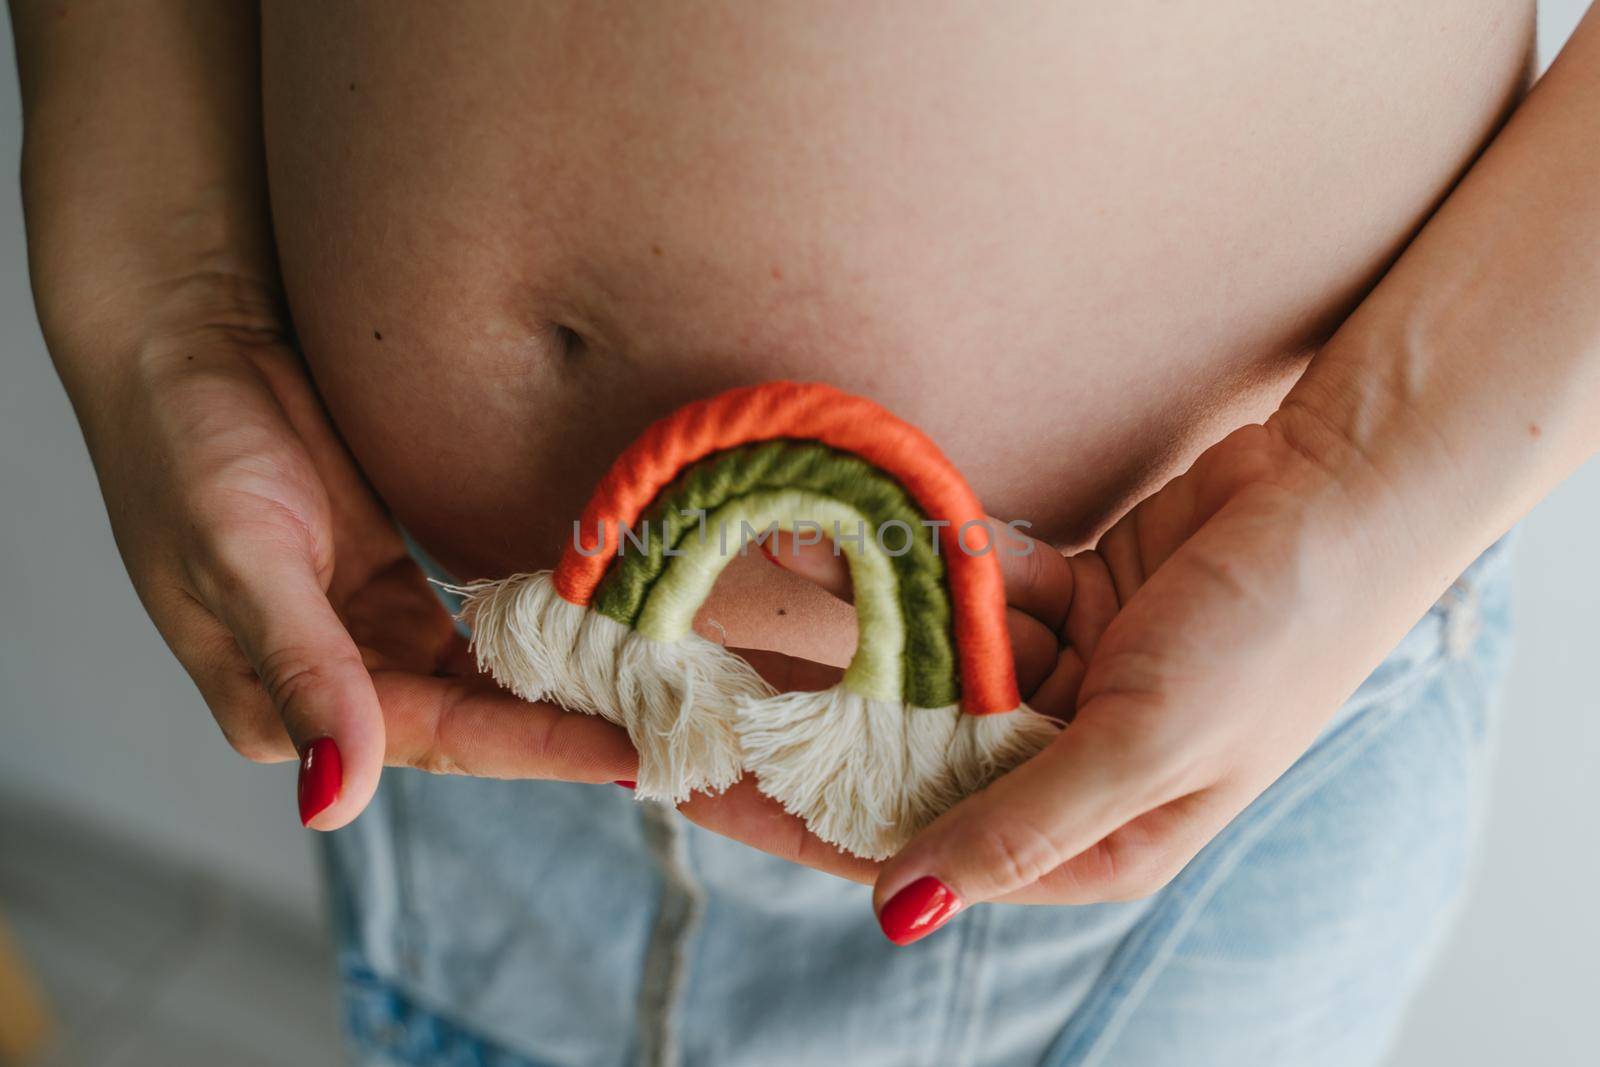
[[321, 778], [624, 783], [918, 910]]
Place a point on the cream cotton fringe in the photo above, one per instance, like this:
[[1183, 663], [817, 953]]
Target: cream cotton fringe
[[863, 774]]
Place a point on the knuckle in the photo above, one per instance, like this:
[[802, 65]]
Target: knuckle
[[295, 677], [1032, 567], [221, 555], [437, 760], [437, 754], [215, 561], [289, 673], [223, 543], [1013, 852]]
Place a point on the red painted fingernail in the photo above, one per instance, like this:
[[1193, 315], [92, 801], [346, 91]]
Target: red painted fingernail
[[321, 778], [918, 910], [624, 783]]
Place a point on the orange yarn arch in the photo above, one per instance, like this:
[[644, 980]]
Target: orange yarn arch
[[815, 412]]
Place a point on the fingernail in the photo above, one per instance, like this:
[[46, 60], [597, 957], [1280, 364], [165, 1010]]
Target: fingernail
[[918, 910], [624, 783], [321, 778]]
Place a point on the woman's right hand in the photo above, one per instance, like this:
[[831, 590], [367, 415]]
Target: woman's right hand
[[283, 587], [265, 560]]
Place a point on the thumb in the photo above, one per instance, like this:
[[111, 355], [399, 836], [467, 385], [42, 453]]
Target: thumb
[[1081, 788], [279, 614]]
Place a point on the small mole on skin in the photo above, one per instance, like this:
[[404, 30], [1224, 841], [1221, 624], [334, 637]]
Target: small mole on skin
[[352, 87], [783, 611], [655, 250], [1533, 429], [376, 336]]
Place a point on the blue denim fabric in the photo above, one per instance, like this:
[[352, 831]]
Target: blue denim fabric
[[539, 924]]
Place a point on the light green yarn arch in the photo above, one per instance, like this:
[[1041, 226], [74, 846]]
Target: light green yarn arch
[[877, 669]]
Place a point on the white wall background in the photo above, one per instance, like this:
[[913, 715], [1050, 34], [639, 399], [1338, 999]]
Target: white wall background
[[95, 715], [98, 720]]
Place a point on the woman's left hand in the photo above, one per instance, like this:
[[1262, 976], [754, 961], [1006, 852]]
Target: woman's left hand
[[1198, 650], [1223, 621]]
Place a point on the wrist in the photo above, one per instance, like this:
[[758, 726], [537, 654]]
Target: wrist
[[129, 346], [95, 335], [1423, 467]]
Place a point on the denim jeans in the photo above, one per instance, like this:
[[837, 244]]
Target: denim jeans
[[514, 924]]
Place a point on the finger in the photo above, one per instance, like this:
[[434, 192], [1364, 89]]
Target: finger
[[1035, 650], [1094, 602], [399, 623], [470, 726], [790, 674], [819, 562], [271, 600], [745, 814], [226, 681], [1095, 777], [1057, 695], [1139, 858], [458, 722], [1038, 580], [1148, 535]]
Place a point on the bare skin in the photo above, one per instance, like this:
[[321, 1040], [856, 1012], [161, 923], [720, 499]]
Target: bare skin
[[501, 264], [511, 234]]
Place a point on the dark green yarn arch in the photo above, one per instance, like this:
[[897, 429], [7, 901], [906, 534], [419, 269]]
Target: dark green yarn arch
[[931, 674]]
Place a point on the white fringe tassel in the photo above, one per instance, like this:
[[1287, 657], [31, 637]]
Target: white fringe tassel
[[675, 700], [864, 774], [868, 774], [680, 700]]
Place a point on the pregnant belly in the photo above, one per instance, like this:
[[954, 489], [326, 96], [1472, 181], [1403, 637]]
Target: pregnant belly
[[1076, 243]]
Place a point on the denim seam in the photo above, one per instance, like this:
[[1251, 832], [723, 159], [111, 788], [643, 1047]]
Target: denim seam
[[666, 962], [1128, 978], [409, 924], [962, 1022]]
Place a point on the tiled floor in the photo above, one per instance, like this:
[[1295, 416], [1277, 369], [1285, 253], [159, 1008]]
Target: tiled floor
[[153, 966]]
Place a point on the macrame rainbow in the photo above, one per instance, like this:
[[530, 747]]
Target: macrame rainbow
[[927, 710]]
